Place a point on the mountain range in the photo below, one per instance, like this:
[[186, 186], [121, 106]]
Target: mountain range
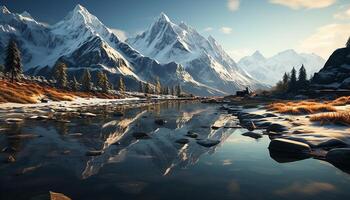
[[270, 70], [82, 41]]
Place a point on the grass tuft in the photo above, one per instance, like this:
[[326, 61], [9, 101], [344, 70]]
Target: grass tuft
[[342, 117]]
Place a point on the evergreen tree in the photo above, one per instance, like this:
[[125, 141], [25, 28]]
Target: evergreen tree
[[302, 78], [285, 82], [147, 88], [292, 86], [2, 68], [121, 85], [178, 90], [86, 81], [60, 74], [74, 84], [348, 43], [103, 82], [141, 87], [13, 63]]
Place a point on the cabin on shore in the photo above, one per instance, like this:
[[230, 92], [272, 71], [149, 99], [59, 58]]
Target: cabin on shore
[[243, 93]]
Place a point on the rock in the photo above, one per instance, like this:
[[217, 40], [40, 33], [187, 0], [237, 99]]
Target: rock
[[286, 157], [297, 124], [94, 153], [118, 114], [250, 126], [215, 127], [332, 143], [88, 114], [252, 135], [291, 146], [58, 196], [208, 142], [13, 120], [191, 134], [277, 128], [10, 159], [339, 156], [66, 152], [63, 121], [75, 134], [182, 141], [297, 132], [8, 150], [160, 122], [140, 135], [270, 115], [23, 136], [263, 124]]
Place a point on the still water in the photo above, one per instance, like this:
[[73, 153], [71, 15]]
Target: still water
[[156, 167]]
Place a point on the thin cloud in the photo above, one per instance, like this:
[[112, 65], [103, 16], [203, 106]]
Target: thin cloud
[[343, 15], [309, 4], [122, 35], [326, 39], [226, 30], [233, 5], [208, 29]]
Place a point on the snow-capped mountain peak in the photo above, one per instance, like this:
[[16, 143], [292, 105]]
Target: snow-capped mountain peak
[[4, 10], [258, 55], [163, 17]]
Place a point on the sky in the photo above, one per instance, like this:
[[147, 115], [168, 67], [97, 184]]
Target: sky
[[240, 26]]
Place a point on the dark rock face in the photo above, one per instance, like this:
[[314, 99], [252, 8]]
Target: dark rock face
[[340, 156], [335, 73]]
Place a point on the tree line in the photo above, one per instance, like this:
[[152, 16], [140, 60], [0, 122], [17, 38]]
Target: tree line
[[293, 82], [12, 69]]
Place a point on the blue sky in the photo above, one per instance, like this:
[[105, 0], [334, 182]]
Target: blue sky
[[240, 26]]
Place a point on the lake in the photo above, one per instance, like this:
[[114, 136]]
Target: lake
[[53, 157]]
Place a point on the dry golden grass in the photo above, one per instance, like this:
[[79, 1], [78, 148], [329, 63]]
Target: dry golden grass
[[300, 108], [28, 92], [342, 117]]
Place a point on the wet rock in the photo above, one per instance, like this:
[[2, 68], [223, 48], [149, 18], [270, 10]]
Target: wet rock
[[87, 114], [10, 159], [191, 134], [286, 145], [140, 135], [297, 132], [13, 120], [182, 141], [118, 114], [215, 127], [262, 124], [270, 115], [160, 122], [23, 136], [250, 126], [63, 121], [94, 153], [58, 196], [8, 150], [252, 135], [66, 152], [286, 157], [75, 134], [277, 128], [339, 156], [208, 142], [332, 143]]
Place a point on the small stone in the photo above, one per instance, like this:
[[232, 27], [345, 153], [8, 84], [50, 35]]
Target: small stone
[[191, 134], [215, 127], [208, 142], [252, 135], [13, 120], [75, 134], [94, 153], [182, 141], [11, 159], [160, 122], [286, 145], [140, 135], [277, 128], [88, 114]]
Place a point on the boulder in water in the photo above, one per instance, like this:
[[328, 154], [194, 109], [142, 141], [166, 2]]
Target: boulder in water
[[208, 142], [285, 145], [252, 135]]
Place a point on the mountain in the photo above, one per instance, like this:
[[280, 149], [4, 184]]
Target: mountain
[[203, 58], [270, 70], [82, 41], [335, 73]]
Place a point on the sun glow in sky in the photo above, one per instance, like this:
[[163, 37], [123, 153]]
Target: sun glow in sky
[[240, 26]]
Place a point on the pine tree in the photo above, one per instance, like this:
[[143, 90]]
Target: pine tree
[[121, 85], [13, 63], [141, 87], [74, 84], [285, 82], [86, 81], [60, 74], [103, 82], [348, 43], [178, 90], [302, 78], [292, 86], [147, 88]]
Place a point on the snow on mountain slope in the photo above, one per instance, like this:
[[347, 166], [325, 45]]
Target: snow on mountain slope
[[83, 41], [270, 70], [204, 59]]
